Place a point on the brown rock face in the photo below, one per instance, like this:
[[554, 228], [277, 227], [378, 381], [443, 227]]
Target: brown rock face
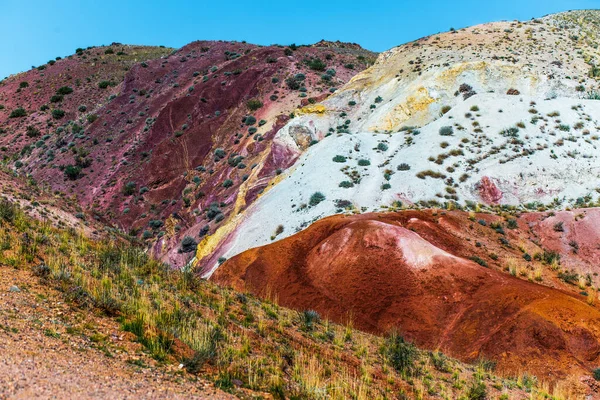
[[415, 272]]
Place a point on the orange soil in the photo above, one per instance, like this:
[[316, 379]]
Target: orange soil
[[412, 271]]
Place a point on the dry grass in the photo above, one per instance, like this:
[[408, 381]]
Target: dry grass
[[239, 342]]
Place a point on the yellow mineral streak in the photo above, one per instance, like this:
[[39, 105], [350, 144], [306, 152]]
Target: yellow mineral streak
[[209, 244], [311, 109]]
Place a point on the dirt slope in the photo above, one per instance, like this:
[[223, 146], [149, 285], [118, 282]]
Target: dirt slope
[[51, 350]]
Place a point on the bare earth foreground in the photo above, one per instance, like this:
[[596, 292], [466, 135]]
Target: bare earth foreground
[[49, 350]]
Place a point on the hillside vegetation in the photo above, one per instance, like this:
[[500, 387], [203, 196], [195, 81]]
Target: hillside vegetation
[[246, 346]]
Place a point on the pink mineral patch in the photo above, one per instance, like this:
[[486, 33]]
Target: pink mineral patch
[[488, 191]]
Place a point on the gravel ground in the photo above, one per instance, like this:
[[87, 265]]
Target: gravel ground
[[49, 350]]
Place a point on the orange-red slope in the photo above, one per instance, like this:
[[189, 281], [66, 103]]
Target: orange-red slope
[[376, 270]]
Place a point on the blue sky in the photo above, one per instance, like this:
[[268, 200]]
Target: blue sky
[[35, 31]]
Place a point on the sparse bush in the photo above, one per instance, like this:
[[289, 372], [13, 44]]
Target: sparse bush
[[254, 104], [558, 227], [316, 198], [57, 113], [401, 354], [32, 132], [479, 261], [292, 83], [72, 172], [129, 188], [403, 167], [316, 64], [18, 113], [446, 131], [105, 84], [8, 211], [57, 98], [309, 318], [476, 391], [188, 245], [64, 90]]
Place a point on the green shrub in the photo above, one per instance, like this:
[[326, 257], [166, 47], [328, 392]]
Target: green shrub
[[8, 211], [293, 83], [64, 90], [155, 223], [32, 131], [339, 159], [476, 391], [364, 163], [309, 318], [316, 198], [400, 354], [18, 113], [227, 183], [57, 113], [57, 98], [188, 245], [254, 104], [316, 64], [72, 172], [446, 131], [23, 85], [479, 261], [129, 188]]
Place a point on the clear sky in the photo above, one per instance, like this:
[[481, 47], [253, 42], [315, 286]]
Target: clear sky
[[35, 31]]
